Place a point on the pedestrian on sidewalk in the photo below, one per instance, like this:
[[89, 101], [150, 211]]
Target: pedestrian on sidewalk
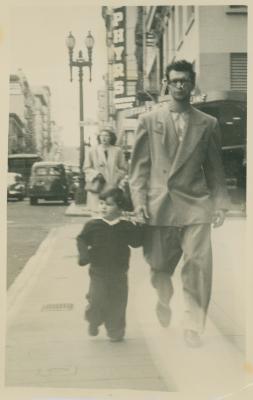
[[104, 244], [105, 166], [178, 187]]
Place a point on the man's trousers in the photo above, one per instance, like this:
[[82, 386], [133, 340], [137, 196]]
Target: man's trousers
[[163, 248]]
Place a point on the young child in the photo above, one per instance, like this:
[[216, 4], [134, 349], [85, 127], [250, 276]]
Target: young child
[[104, 244]]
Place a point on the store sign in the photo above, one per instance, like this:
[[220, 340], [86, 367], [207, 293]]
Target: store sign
[[119, 63], [122, 106], [119, 40], [136, 111]]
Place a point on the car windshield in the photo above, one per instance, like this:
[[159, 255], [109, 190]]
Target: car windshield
[[54, 171], [41, 171]]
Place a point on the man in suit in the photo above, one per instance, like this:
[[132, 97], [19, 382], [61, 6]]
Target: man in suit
[[178, 186]]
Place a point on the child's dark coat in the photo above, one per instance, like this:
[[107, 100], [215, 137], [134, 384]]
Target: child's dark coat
[[105, 246]]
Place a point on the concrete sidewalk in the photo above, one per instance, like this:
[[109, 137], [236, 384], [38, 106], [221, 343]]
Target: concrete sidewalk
[[47, 343]]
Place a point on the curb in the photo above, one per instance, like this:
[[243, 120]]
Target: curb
[[30, 272], [80, 210]]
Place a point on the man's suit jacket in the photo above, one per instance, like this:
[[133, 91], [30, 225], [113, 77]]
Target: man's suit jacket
[[183, 182]]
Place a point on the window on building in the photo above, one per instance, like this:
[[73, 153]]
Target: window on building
[[238, 71], [232, 117]]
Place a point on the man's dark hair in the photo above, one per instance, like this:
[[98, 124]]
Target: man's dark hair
[[116, 194], [181, 66]]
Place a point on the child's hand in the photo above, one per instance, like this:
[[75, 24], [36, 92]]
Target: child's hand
[[141, 214], [136, 220]]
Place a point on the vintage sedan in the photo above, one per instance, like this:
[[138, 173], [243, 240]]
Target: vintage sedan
[[48, 181]]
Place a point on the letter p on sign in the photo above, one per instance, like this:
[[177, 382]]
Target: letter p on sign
[[117, 18]]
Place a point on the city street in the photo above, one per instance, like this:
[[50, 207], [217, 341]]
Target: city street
[[27, 227]]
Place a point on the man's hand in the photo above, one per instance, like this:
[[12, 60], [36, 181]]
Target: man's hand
[[141, 213], [218, 218]]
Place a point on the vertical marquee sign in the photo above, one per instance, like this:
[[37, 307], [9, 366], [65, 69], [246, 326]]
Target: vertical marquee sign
[[121, 99]]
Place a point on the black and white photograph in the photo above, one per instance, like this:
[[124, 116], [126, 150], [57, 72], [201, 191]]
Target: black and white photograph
[[125, 162]]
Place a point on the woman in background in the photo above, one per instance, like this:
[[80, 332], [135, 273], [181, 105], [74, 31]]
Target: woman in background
[[105, 166]]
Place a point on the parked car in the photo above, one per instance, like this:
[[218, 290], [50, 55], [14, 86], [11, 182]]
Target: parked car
[[15, 186], [48, 181]]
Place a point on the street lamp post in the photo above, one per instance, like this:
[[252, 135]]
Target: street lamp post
[[80, 63]]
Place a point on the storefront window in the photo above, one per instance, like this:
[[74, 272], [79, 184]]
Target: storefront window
[[232, 119]]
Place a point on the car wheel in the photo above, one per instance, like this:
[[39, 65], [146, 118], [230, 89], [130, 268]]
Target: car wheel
[[33, 201]]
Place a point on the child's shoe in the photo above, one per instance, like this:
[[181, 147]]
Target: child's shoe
[[93, 330], [116, 339]]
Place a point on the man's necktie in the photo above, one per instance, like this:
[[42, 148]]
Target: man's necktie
[[180, 125], [106, 154]]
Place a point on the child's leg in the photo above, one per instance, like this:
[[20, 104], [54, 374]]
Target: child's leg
[[115, 320], [97, 300]]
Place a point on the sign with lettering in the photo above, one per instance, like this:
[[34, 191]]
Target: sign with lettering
[[119, 64], [121, 99], [135, 111]]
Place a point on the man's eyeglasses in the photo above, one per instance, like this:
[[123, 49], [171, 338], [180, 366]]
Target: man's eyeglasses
[[179, 82]]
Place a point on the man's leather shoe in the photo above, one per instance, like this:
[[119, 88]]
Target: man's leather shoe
[[192, 338], [163, 315]]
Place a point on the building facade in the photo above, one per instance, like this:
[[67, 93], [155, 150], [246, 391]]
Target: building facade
[[42, 128], [144, 40], [29, 117], [214, 38], [16, 137], [21, 115]]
